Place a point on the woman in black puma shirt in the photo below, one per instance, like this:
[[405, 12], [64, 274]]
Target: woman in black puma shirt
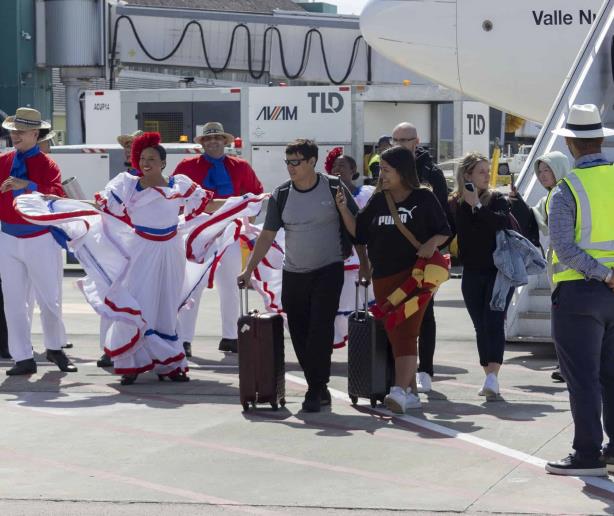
[[392, 257]]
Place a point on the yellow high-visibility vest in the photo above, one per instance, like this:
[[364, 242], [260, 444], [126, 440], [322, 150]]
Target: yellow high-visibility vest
[[593, 191]]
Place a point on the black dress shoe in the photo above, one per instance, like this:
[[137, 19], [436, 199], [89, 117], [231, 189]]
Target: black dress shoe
[[128, 379], [104, 361], [22, 367], [68, 345], [230, 345], [187, 348], [59, 358]]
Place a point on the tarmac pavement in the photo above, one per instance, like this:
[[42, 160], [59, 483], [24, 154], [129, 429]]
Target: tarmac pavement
[[81, 443]]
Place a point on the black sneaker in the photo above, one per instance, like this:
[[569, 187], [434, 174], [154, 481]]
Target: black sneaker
[[608, 457], [325, 397], [187, 348], [575, 467], [229, 345], [313, 401]]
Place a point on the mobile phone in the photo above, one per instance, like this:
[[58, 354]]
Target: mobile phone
[[469, 187]]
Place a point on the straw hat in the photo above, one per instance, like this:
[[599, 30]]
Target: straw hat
[[25, 119], [125, 139], [213, 129], [584, 121], [46, 135]]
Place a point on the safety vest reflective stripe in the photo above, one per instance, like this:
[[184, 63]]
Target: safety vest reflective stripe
[[599, 183]]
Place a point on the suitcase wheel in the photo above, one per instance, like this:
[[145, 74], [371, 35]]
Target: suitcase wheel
[[373, 402], [354, 399], [274, 405], [282, 402], [245, 406]]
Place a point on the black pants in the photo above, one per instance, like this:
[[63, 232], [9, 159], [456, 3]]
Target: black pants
[[4, 338], [428, 335], [311, 301], [477, 287], [583, 332]]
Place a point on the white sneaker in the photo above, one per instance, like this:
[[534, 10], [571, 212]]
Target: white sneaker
[[396, 400], [423, 382], [490, 389], [412, 401]]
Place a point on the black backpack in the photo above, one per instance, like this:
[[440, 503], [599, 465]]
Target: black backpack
[[334, 183]]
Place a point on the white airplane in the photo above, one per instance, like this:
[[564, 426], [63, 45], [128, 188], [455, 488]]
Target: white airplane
[[513, 55]]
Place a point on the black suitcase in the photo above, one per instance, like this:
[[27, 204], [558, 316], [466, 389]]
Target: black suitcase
[[370, 360], [261, 357]]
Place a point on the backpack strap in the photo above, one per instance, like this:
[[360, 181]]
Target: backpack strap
[[282, 196]]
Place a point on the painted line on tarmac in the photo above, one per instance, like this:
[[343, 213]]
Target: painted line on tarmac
[[601, 483], [88, 471]]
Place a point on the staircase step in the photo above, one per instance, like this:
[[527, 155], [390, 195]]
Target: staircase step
[[545, 316], [541, 292], [529, 339]]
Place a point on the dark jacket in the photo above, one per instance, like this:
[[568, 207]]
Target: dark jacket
[[431, 175]]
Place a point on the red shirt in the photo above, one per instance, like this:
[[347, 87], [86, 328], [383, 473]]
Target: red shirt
[[42, 171], [241, 174]]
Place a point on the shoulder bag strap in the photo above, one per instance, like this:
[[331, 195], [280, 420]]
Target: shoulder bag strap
[[397, 222]]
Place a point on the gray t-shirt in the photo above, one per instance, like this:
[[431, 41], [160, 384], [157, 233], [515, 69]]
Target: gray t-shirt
[[311, 222]]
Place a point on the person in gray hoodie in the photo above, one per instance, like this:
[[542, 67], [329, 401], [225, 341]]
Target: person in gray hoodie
[[549, 169]]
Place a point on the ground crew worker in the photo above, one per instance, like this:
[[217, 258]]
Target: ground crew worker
[[383, 143], [580, 214]]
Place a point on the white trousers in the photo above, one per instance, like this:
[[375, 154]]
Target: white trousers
[[226, 284], [25, 264]]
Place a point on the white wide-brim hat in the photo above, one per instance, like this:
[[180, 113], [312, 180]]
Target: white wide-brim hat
[[213, 129], [25, 119], [584, 121]]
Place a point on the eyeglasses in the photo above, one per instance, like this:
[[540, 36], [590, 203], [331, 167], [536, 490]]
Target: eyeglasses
[[403, 140], [294, 162]]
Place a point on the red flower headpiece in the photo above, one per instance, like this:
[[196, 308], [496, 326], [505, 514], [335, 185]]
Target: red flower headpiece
[[331, 157], [140, 143]]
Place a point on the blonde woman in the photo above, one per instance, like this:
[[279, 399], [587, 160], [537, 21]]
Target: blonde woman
[[478, 213]]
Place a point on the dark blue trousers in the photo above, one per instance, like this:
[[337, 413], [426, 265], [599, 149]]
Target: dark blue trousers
[[583, 330]]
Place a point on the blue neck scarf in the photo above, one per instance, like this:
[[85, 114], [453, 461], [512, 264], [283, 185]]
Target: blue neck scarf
[[218, 179], [19, 169]]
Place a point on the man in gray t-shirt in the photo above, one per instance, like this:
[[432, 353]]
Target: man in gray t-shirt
[[313, 267]]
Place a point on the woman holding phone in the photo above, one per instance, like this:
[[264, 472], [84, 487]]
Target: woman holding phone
[[478, 213]]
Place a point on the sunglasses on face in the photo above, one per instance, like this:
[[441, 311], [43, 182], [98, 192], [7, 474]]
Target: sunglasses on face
[[294, 162]]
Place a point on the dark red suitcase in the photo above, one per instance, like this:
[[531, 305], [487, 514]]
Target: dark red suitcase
[[261, 357]]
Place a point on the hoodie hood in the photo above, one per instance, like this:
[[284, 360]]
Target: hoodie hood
[[557, 161]]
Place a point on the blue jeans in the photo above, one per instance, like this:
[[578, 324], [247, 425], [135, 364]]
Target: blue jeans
[[477, 286]]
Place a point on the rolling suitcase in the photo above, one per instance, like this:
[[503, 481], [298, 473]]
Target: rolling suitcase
[[370, 360], [261, 357]]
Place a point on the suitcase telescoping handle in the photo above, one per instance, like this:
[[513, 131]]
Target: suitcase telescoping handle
[[243, 296], [362, 283]]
